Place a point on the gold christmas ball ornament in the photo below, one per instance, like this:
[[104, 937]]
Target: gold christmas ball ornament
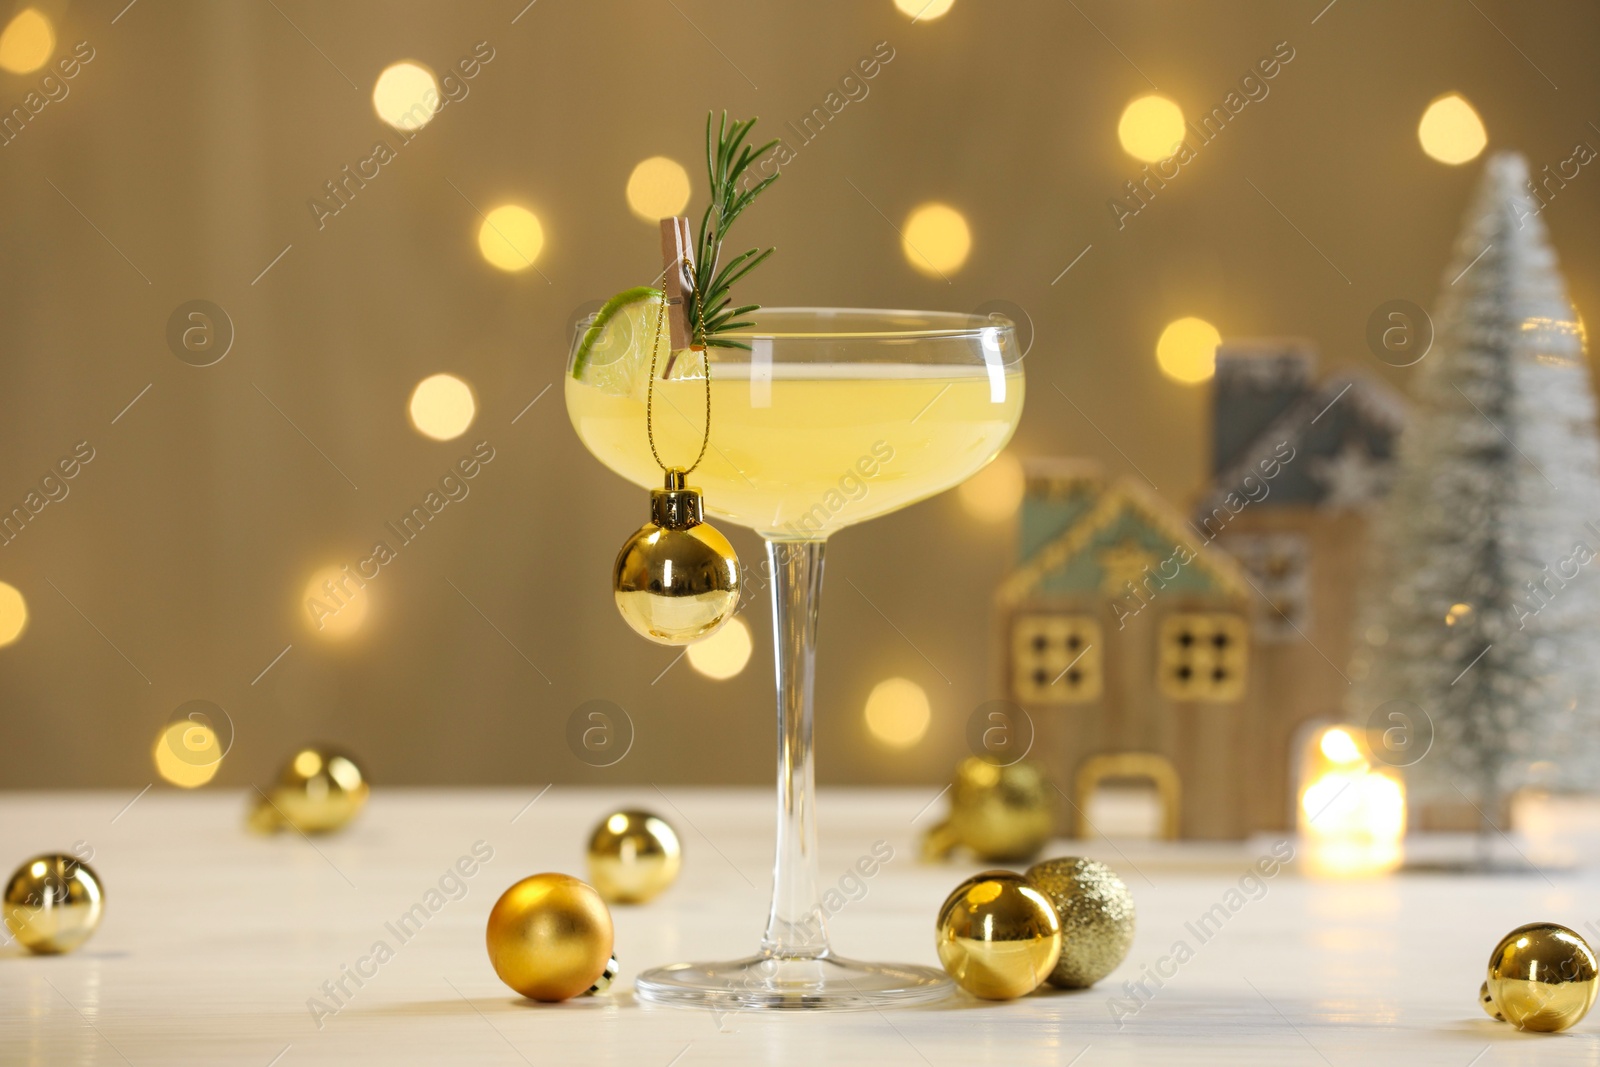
[[998, 935], [53, 903], [1542, 976], [1487, 1002], [319, 790], [1096, 912], [550, 938], [1003, 814], [633, 855], [677, 578]]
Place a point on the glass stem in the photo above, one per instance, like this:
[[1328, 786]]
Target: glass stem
[[796, 927]]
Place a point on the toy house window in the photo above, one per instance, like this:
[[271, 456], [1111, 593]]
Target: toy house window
[[1055, 659], [1203, 657]]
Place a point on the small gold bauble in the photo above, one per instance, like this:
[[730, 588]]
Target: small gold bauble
[[1489, 1006], [676, 579], [1002, 814], [998, 936], [1542, 976], [550, 937], [53, 903], [319, 790], [633, 855], [1096, 913]]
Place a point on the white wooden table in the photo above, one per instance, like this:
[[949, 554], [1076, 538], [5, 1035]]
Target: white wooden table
[[214, 941]]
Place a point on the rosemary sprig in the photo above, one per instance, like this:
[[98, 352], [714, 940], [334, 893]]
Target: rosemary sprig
[[727, 160]]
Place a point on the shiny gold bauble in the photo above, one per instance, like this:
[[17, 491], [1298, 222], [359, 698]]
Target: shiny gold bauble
[[1542, 976], [998, 935], [1002, 814], [633, 855], [53, 903], [1096, 912], [319, 790], [550, 938], [676, 580], [1487, 1002]]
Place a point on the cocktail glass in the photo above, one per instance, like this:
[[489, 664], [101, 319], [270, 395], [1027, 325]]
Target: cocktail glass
[[833, 417]]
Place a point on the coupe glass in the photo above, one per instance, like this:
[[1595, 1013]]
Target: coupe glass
[[834, 416]]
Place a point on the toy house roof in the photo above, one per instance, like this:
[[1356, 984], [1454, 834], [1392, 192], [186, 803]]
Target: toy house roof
[[1083, 533], [1342, 431]]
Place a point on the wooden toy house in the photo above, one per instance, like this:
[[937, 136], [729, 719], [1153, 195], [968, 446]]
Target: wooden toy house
[[1192, 653]]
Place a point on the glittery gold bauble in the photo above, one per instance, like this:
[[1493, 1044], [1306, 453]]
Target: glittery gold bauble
[[633, 855], [319, 790], [677, 578], [550, 938], [1542, 976], [1002, 814], [998, 936], [1096, 913], [53, 903]]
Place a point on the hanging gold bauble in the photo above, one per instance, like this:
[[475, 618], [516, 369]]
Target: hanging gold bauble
[[1096, 912], [319, 790], [1003, 814], [998, 935], [550, 938], [633, 855], [1542, 976], [53, 903], [677, 579]]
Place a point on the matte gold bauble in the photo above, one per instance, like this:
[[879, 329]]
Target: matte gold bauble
[[550, 938], [998, 935], [633, 855], [1002, 814], [1096, 912], [676, 580], [319, 790], [1542, 976], [53, 903]]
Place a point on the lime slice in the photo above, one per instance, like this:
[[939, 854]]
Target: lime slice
[[614, 355]]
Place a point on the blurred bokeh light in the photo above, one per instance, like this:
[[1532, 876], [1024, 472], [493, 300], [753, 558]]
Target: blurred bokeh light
[[1151, 128], [658, 188], [1187, 350], [27, 42], [1451, 131], [897, 712], [187, 753], [442, 407], [406, 95], [13, 613], [723, 654], [335, 603], [936, 240], [994, 493], [511, 238], [923, 10]]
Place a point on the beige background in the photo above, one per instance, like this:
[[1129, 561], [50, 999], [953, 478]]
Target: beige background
[[197, 134]]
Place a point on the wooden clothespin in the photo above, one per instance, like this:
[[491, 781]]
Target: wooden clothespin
[[677, 256]]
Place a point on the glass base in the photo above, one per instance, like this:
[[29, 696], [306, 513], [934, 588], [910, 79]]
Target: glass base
[[772, 983]]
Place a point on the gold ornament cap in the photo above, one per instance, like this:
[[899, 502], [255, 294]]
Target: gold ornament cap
[[633, 856], [998, 935], [677, 506], [550, 937], [1097, 918], [605, 981], [1542, 976], [53, 903]]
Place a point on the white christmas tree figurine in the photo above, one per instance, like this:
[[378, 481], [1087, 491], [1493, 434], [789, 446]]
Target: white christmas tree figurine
[[1485, 608]]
